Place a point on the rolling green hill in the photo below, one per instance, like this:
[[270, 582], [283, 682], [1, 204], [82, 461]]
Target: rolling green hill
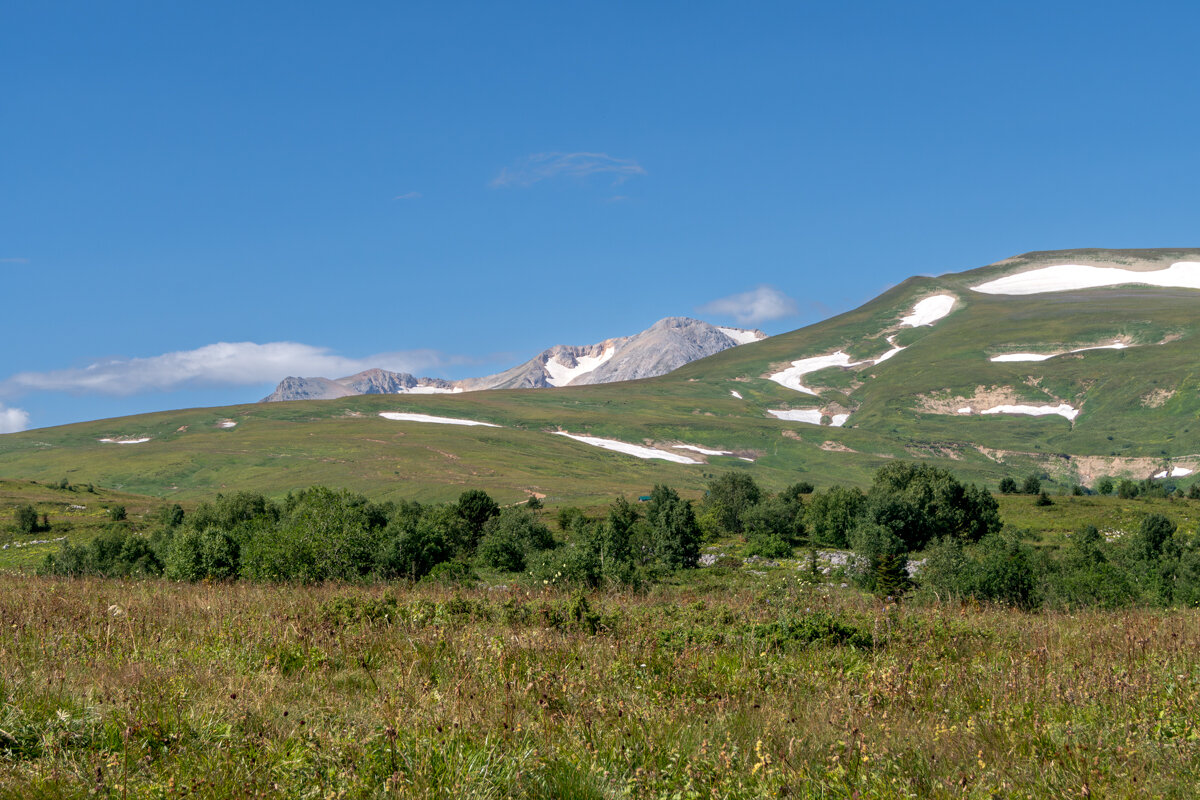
[[1138, 408]]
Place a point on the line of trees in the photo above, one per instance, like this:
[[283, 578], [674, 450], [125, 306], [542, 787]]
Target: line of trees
[[322, 534], [916, 528]]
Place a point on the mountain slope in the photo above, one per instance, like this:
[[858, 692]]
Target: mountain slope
[[668, 344], [910, 374]]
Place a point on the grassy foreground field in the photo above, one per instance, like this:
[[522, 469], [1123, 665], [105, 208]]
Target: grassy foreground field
[[729, 684]]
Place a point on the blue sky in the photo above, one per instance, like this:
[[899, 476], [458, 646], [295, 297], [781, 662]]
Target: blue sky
[[450, 188]]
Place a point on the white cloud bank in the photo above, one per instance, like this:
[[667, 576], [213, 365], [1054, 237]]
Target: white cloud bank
[[13, 419], [543, 166], [756, 305], [223, 363]]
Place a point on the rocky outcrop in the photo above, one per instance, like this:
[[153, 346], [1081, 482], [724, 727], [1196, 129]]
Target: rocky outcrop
[[665, 346]]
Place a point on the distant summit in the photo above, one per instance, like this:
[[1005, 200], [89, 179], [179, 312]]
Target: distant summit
[[663, 347]]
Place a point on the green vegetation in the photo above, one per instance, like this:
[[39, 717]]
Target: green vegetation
[[772, 688], [594, 661]]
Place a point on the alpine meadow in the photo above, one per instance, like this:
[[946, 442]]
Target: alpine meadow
[[566, 401]]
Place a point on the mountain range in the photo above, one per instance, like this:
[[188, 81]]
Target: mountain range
[[1071, 364], [665, 346]]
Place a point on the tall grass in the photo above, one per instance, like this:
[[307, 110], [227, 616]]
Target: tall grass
[[154, 689]]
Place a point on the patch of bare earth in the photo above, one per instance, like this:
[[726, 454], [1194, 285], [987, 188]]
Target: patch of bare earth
[[1158, 398], [984, 397], [933, 451], [1091, 468], [835, 447]]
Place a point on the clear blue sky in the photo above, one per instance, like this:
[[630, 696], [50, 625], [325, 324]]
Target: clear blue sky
[[453, 187]]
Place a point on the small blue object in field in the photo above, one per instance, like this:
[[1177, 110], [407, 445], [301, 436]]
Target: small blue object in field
[[644, 498]]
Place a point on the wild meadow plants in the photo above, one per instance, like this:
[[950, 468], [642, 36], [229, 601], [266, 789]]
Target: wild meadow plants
[[707, 686]]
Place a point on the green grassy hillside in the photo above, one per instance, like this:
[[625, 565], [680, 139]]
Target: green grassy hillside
[[1139, 407]]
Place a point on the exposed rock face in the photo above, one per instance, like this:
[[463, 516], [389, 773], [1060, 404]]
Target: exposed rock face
[[665, 346], [371, 381], [307, 389]]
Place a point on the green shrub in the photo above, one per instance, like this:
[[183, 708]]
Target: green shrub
[[452, 573], [881, 554], [522, 526], [476, 507], [411, 549], [26, 519], [729, 497], [674, 535], [501, 549], [768, 545], [198, 555], [830, 515], [818, 628]]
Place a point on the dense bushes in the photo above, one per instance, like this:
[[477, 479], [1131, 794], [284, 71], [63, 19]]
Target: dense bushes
[[953, 529], [1154, 566], [322, 534]]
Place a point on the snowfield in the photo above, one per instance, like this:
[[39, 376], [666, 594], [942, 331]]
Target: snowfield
[[1066, 277], [703, 451], [226, 423], [895, 349], [407, 417], [929, 311], [838, 420], [561, 374], [1062, 410], [125, 441], [792, 376], [741, 336], [430, 390], [629, 449], [1045, 357], [810, 415], [1176, 472], [736, 393]]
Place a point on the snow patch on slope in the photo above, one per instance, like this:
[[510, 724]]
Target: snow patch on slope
[[561, 374], [1063, 410], [792, 376], [1045, 357], [702, 450], [125, 441], [742, 336], [1176, 472], [430, 390], [407, 417], [1066, 277], [929, 310], [812, 416], [629, 449]]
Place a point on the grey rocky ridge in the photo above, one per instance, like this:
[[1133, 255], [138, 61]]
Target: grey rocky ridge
[[663, 347]]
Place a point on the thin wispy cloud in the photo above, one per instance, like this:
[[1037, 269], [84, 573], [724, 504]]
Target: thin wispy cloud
[[757, 305], [409, 196], [13, 420], [546, 166], [220, 364], [14, 260]]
